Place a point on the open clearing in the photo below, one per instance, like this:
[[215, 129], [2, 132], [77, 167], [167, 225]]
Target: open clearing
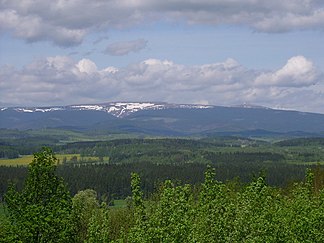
[[25, 160]]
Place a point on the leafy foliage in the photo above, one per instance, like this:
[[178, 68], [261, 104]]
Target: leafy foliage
[[211, 211], [84, 204], [255, 213], [41, 211], [95, 222]]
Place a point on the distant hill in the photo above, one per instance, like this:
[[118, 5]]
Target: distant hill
[[165, 119]]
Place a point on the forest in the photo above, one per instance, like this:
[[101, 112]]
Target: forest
[[43, 210], [106, 165], [209, 189]]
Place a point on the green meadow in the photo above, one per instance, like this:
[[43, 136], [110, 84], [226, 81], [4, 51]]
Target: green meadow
[[61, 158]]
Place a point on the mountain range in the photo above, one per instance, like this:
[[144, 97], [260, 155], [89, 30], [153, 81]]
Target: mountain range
[[164, 119]]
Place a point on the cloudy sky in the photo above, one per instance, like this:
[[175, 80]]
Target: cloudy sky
[[220, 52]]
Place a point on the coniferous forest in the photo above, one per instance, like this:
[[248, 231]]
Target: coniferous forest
[[224, 189], [44, 210]]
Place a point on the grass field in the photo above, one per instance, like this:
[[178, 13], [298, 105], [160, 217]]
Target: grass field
[[25, 160]]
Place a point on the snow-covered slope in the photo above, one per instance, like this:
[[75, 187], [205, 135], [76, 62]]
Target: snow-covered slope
[[120, 109], [117, 109]]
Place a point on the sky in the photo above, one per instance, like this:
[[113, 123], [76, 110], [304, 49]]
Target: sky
[[216, 52]]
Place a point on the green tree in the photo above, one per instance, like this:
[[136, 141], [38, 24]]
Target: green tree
[[136, 233], [171, 219], [166, 220], [98, 227], [84, 204], [41, 211], [214, 212]]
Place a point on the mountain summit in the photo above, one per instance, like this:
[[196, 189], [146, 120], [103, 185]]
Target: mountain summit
[[123, 109]]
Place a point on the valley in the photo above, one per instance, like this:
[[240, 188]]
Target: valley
[[164, 161], [110, 158]]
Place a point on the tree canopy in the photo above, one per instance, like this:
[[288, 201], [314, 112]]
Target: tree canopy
[[40, 212]]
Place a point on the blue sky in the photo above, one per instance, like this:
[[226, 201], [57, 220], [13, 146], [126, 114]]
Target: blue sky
[[218, 52]]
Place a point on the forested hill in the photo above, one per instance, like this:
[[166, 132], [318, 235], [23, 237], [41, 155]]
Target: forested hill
[[165, 119]]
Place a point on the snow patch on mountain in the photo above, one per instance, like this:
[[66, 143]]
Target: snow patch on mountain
[[124, 109], [117, 109], [49, 109], [24, 110], [37, 109], [88, 107]]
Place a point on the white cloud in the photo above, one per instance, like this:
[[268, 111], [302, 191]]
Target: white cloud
[[125, 47], [61, 80], [86, 66], [66, 23], [34, 28], [298, 72]]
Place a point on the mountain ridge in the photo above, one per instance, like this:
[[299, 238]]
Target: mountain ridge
[[117, 109], [163, 119]]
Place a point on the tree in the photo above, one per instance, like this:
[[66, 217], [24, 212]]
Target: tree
[[41, 211], [84, 204]]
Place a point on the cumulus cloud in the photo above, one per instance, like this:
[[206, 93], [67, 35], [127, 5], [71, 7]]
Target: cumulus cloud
[[66, 23], [86, 66], [34, 28], [125, 47], [62, 80], [298, 72]]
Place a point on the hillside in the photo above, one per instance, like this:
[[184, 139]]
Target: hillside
[[165, 119]]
